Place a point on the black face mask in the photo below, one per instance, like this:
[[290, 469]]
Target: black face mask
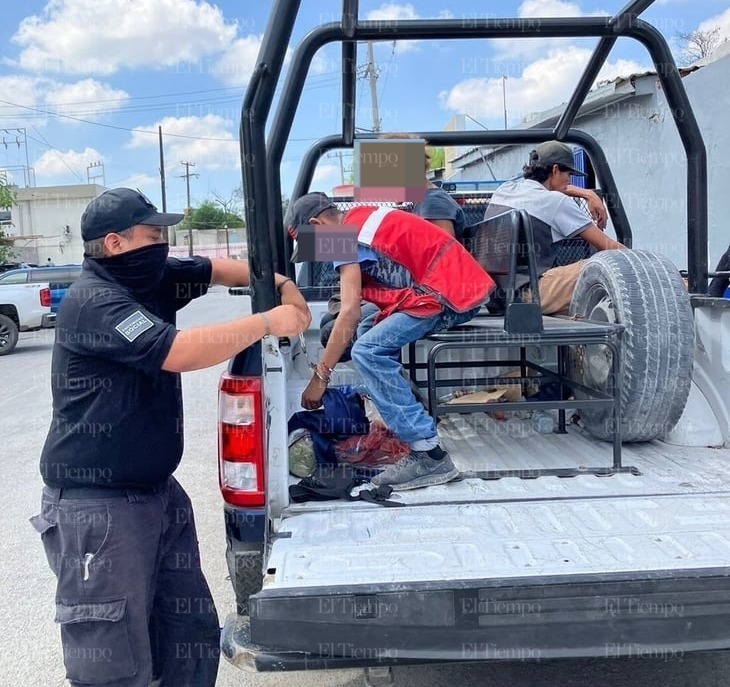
[[140, 270]]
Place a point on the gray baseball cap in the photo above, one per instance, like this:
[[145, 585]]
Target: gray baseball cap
[[302, 210], [555, 153]]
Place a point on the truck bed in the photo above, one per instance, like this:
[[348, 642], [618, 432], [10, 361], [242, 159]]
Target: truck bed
[[673, 515]]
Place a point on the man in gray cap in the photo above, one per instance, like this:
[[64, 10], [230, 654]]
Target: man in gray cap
[[404, 265], [117, 528], [546, 193]]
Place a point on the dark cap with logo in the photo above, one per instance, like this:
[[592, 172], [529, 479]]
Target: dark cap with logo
[[554, 153], [119, 209], [302, 210]]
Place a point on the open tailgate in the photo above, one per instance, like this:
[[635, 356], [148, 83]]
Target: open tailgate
[[514, 580]]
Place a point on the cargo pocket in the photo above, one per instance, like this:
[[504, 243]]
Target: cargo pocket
[[95, 637], [46, 525]]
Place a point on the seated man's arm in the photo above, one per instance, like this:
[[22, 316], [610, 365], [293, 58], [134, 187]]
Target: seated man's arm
[[341, 336], [600, 241], [446, 224], [596, 208]]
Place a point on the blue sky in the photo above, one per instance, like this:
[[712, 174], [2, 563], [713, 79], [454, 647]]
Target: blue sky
[[90, 81]]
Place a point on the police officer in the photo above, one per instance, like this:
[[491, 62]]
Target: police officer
[[117, 528]]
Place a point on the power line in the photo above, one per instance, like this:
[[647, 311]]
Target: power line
[[113, 126], [55, 152]]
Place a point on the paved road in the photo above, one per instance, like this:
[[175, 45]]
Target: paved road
[[30, 654]]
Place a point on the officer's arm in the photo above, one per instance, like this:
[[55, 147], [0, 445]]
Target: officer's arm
[[200, 347], [228, 272]]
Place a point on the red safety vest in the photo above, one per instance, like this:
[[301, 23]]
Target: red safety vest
[[443, 271]]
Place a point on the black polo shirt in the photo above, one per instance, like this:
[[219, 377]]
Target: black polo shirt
[[117, 416]]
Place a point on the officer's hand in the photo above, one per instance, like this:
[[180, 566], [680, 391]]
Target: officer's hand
[[288, 320], [312, 395]]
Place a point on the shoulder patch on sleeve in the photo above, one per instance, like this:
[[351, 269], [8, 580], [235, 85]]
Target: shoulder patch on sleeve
[[134, 325]]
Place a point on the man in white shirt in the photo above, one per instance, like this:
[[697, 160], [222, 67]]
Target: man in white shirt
[[544, 192]]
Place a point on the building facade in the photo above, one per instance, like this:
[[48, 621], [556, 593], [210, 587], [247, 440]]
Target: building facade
[[46, 220], [632, 121]]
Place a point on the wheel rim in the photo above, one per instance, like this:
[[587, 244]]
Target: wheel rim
[[4, 335], [597, 358]]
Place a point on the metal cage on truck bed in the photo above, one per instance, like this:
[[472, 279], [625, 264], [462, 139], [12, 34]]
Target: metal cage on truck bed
[[269, 247]]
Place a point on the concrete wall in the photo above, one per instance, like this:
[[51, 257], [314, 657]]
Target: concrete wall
[[648, 162], [50, 218]]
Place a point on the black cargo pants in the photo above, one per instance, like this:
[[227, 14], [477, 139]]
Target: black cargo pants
[[131, 598]]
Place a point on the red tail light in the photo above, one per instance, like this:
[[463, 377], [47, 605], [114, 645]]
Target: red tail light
[[45, 296], [241, 441]]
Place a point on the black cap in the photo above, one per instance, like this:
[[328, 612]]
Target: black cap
[[120, 209], [554, 153], [302, 210]]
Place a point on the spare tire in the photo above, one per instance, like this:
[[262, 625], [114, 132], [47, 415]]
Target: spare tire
[[644, 292]]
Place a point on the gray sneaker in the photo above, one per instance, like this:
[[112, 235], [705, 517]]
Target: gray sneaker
[[418, 469]]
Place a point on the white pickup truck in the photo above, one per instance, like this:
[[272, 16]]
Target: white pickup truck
[[23, 308], [538, 552]]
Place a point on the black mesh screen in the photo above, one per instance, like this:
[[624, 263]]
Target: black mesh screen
[[566, 252]]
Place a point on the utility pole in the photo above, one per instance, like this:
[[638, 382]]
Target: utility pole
[[342, 169], [187, 176], [504, 98], [224, 204], [92, 177], [162, 183], [372, 73], [338, 154]]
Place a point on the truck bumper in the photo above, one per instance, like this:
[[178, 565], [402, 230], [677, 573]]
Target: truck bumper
[[48, 321], [661, 616]]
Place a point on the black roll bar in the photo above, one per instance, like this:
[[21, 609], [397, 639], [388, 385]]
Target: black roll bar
[[512, 137], [350, 30], [255, 176]]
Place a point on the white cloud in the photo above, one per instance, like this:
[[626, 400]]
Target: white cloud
[[103, 36], [69, 165], [87, 99], [23, 90], [326, 176], [543, 84], [321, 64], [140, 180], [549, 8], [236, 65], [532, 48], [211, 144], [392, 10], [721, 20]]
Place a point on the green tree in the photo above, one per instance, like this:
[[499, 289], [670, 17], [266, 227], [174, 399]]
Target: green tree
[[209, 216], [436, 158], [7, 200]]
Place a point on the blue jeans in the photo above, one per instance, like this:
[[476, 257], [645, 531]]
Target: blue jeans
[[376, 354]]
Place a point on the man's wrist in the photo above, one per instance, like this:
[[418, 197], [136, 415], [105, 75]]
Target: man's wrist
[[281, 284]]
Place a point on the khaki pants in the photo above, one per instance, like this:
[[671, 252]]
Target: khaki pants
[[556, 288]]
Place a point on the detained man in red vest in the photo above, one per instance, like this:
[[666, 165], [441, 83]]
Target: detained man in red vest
[[422, 280]]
